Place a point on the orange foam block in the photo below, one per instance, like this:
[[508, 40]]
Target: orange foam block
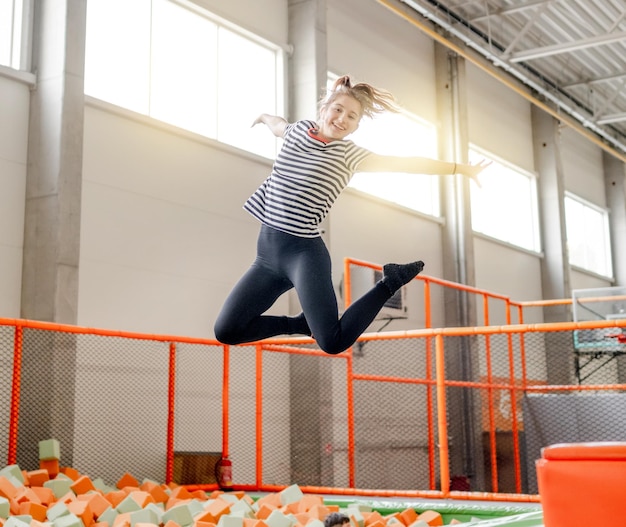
[[264, 510], [122, 520], [36, 510], [159, 494], [408, 516], [127, 480], [36, 478], [180, 493], [45, 495], [251, 522], [97, 502], [7, 489], [115, 497], [432, 518], [308, 501], [70, 472], [82, 485], [141, 497], [82, 509], [272, 499], [50, 465], [216, 509], [319, 512], [372, 517]]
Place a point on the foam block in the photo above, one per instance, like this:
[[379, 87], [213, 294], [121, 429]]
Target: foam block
[[290, 494], [4, 507], [49, 449], [36, 511], [59, 486], [432, 518], [278, 519], [81, 485], [82, 510], [179, 514], [108, 516], [68, 520], [44, 494], [51, 466], [127, 504], [230, 521], [7, 488], [127, 480], [13, 472], [143, 516], [57, 510], [14, 521]]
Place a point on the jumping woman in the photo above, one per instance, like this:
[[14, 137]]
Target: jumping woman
[[314, 165]]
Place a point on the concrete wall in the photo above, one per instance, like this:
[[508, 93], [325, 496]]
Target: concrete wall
[[14, 97]]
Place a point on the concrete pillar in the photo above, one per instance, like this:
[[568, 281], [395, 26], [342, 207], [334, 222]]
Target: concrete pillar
[[458, 266], [310, 405], [308, 68], [615, 187], [555, 268], [53, 185], [52, 226]]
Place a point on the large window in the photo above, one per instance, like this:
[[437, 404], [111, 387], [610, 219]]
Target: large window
[[400, 134], [174, 61], [588, 240], [12, 24], [504, 207]]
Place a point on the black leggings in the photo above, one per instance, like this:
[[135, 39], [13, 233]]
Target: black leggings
[[285, 261]]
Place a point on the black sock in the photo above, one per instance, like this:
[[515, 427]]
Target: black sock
[[397, 275], [298, 325]]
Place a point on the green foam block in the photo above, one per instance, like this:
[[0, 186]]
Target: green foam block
[[68, 520], [49, 449]]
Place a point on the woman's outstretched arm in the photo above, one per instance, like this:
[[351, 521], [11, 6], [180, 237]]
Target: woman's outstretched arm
[[275, 123], [420, 165]]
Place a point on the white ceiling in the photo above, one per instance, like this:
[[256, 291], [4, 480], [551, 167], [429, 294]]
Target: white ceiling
[[570, 54]]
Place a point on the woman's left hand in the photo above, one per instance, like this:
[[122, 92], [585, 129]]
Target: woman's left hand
[[472, 171]]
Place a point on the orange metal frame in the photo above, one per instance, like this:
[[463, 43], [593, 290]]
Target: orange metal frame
[[435, 383]]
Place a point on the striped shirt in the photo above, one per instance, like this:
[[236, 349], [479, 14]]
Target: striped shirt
[[307, 176]]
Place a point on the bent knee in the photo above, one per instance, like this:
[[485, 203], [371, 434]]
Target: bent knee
[[331, 346], [227, 334]]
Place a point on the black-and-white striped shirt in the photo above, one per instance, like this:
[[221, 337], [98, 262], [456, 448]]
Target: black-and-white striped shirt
[[307, 176]]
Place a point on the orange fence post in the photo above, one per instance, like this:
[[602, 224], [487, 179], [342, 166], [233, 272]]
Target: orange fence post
[[171, 401], [492, 419], [15, 395], [442, 416], [259, 416], [430, 419]]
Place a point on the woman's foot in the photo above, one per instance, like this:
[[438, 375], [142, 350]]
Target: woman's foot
[[397, 275], [299, 326]]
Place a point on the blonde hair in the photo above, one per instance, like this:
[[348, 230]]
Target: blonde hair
[[373, 100]]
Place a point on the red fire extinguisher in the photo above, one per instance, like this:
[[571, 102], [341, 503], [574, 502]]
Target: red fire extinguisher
[[224, 473]]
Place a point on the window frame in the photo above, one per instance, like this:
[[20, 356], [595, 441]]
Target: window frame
[[143, 104], [535, 234], [606, 237]]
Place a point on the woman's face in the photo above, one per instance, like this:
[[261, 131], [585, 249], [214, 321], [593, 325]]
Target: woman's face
[[339, 118]]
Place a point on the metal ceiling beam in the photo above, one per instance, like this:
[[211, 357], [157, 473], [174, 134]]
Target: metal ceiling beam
[[498, 68], [592, 82], [546, 51], [614, 118], [513, 10]]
